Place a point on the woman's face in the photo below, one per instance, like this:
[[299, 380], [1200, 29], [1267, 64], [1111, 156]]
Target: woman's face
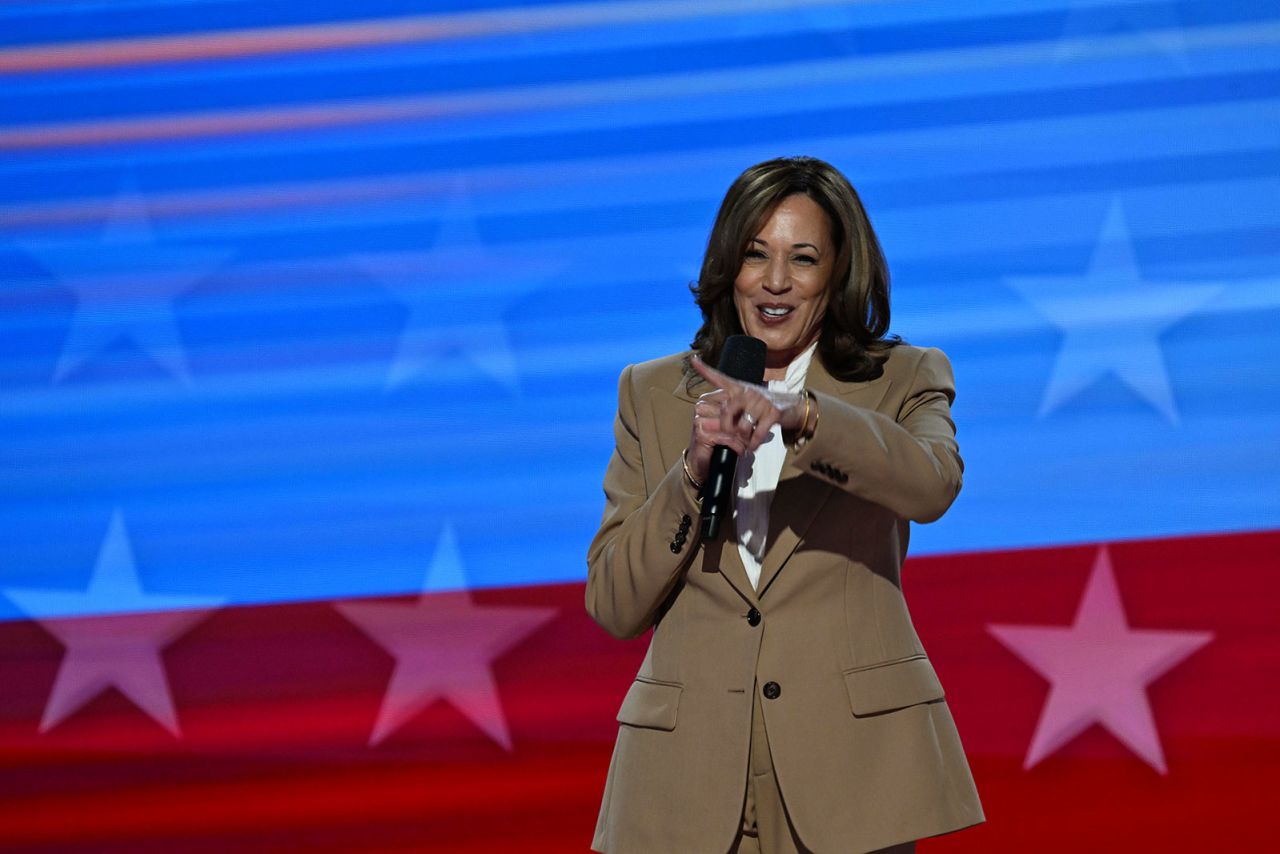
[[781, 290]]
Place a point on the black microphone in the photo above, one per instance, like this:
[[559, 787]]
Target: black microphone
[[743, 360]]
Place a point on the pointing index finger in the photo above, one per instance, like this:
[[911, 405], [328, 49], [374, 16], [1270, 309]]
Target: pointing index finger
[[710, 374]]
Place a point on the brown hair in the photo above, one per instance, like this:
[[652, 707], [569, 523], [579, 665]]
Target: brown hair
[[852, 343]]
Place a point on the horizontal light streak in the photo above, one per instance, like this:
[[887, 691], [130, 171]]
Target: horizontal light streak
[[272, 373], [318, 116], [1060, 85], [302, 195], [998, 311], [1045, 220], [846, 25], [307, 38], [161, 397], [1020, 145]]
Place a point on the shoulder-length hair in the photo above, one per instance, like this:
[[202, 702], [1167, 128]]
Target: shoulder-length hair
[[852, 343]]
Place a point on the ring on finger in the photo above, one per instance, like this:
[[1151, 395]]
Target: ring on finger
[[750, 419]]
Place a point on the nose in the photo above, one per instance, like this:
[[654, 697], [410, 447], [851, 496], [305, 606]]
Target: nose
[[775, 277]]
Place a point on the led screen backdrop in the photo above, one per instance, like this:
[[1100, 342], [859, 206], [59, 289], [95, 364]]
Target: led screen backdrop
[[311, 318]]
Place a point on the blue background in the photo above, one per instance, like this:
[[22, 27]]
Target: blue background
[[292, 355]]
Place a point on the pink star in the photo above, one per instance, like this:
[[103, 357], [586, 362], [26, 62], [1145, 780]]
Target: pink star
[[444, 645], [1099, 670], [113, 632]]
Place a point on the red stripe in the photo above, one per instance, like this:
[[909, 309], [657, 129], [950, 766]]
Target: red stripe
[[277, 703]]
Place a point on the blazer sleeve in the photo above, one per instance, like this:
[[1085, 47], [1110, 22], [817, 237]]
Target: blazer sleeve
[[646, 538], [910, 464]]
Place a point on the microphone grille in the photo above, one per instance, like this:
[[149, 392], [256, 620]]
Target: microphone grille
[[743, 358]]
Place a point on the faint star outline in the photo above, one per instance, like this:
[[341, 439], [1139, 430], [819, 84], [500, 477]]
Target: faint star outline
[[439, 286], [125, 283], [1156, 23], [1111, 320]]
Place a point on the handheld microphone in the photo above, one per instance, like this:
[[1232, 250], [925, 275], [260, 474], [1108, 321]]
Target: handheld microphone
[[743, 360]]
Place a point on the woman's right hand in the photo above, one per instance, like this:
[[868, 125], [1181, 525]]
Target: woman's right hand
[[707, 432]]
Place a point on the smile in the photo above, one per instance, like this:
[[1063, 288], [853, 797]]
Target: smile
[[775, 312]]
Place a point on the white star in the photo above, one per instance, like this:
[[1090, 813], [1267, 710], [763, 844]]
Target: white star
[[113, 634], [1111, 320], [1098, 670], [125, 285], [1156, 23], [444, 645], [456, 294]]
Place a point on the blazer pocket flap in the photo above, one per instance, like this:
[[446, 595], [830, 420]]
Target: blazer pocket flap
[[650, 704], [892, 685]]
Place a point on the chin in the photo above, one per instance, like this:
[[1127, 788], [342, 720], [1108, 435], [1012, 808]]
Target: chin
[[781, 340], [777, 348], [776, 344]]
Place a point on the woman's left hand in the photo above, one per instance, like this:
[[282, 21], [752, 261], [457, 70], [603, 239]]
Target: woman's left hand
[[750, 410]]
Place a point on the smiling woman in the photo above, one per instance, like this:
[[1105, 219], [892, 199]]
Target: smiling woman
[[786, 703], [781, 291], [768, 210]]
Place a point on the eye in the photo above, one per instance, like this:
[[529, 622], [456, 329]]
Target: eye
[[754, 254], [806, 259]]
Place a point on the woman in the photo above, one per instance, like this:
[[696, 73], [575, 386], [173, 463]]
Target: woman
[[785, 703]]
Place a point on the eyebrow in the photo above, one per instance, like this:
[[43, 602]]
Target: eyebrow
[[764, 242]]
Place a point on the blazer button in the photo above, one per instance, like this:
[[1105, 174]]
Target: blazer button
[[753, 617], [772, 690], [675, 548], [685, 521]]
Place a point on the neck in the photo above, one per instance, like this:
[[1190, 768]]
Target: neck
[[778, 373], [777, 361]]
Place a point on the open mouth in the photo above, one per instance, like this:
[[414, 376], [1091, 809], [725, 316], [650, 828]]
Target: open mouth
[[775, 313]]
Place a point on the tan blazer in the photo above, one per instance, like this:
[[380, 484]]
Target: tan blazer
[[865, 750]]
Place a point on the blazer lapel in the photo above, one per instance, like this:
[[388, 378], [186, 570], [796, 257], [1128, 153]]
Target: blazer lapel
[[672, 415], [799, 497]]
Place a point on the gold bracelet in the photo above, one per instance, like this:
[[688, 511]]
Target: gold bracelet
[[804, 434], [798, 437], [684, 456]]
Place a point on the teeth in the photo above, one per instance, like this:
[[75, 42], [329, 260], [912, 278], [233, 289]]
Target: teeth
[[776, 312]]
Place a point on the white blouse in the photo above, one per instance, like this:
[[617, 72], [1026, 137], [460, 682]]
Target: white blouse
[[757, 477]]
